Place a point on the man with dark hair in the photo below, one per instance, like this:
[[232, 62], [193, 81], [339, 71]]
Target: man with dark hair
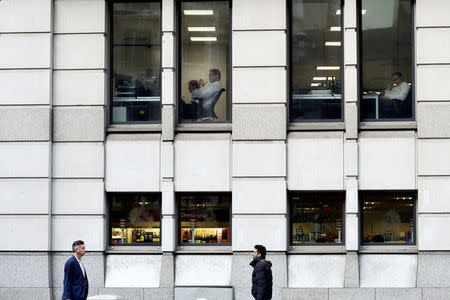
[[262, 274], [76, 284], [397, 89]]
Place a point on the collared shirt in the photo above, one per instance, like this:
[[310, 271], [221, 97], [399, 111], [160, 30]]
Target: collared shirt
[[206, 95], [398, 92], [81, 266]]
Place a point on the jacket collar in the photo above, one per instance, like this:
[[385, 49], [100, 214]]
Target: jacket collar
[[255, 261]]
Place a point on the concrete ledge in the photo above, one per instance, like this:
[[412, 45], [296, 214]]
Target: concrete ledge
[[354, 293], [436, 294], [25, 293], [24, 271], [304, 294], [126, 293], [158, 294], [398, 294]]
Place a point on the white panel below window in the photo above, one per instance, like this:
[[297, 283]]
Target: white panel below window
[[203, 270], [132, 271]]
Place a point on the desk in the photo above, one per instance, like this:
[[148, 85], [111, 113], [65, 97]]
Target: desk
[[138, 99], [376, 97]]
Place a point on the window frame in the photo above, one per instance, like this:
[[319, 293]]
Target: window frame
[[207, 123], [290, 219], [293, 124], [360, 73], [180, 245], [413, 193], [109, 204], [110, 72]]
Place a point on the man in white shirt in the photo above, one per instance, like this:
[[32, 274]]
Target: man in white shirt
[[397, 89], [207, 96]]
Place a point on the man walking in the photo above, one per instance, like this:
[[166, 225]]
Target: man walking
[[76, 284], [262, 274]]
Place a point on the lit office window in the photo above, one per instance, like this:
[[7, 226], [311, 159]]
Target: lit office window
[[135, 218], [204, 218], [204, 51], [316, 217], [316, 51], [388, 217], [386, 60], [136, 62]]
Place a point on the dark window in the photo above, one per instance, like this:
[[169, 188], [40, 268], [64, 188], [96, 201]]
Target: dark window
[[316, 60], [135, 218], [204, 218], [204, 49], [316, 217], [387, 60], [388, 217], [136, 62]]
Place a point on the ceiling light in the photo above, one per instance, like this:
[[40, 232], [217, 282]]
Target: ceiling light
[[338, 12], [328, 68], [333, 44], [202, 12], [335, 28], [203, 39], [201, 28], [315, 84], [363, 11], [319, 78]]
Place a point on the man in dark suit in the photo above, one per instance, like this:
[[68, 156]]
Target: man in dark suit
[[76, 284]]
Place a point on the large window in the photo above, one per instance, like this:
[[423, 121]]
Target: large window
[[204, 51], [135, 219], [387, 60], [204, 218], [388, 217], [135, 62], [316, 55], [316, 218]]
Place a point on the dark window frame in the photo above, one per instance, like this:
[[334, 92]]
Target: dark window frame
[[412, 193], [290, 218], [229, 88], [360, 73], [110, 72], [109, 203], [178, 196], [289, 66]]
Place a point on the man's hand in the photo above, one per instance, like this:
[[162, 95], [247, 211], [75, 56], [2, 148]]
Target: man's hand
[[202, 83]]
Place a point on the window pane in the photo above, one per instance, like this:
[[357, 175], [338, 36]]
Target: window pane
[[135, 218], [388, 217], [386, 60], [316, 60], [136, 60], [204, 219], [204, 50], [316, 218]]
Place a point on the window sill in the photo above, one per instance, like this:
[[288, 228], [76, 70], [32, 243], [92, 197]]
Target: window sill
[[134, 128], [388, 125], [316, 126], [208, 127], [204, 250], [387, 249], [133, 250], [303, 249]]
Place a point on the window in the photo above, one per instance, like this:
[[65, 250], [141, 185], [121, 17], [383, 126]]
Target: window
[[387, 60], [135, 219], [388, 217], [204, 219], [135, 62], [316, 57], [316, 218], [204, 49]]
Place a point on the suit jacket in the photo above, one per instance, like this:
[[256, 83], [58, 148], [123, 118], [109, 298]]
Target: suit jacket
[[76, 286]]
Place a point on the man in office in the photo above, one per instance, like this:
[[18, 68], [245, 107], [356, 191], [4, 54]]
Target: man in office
[[208, 96], [395, 93], [76, 284], [262, 280]]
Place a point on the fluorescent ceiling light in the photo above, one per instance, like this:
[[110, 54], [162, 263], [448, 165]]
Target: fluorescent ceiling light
[[203, 39], [335, 28], [363, 11], [338, 12], [331, 44], [202, 12], [322, 78], [201, 28], [328, 68], [315, 84]]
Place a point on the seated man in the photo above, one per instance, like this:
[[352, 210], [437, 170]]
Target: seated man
[[207, 96], [396, 92]]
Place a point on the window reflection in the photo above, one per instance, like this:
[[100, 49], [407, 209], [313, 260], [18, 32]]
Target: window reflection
[[204, 47], [136, 52], [135, 218], [388, 217], [204, 219], [316, 60], [386, 38], [316, 218]]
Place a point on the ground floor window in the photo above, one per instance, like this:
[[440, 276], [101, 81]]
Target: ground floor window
[[204, 218]]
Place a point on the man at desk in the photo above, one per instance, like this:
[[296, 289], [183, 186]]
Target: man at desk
[[397, 89], [207, 96]]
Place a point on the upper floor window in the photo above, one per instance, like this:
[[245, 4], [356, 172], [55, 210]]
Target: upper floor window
[[387, 60], [316, 58], [135, 62], [204, 60]]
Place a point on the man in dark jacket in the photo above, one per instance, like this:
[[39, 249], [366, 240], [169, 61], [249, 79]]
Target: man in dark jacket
[[262, 274], [76, 284]]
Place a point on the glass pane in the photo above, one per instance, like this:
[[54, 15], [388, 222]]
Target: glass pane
[[204, 47], [387, 45], [135, 218], [136, 55], [316, 60], [388, 217], [204, 219], [317, 218]]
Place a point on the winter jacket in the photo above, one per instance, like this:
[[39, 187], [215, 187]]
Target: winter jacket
[[261, 279]]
